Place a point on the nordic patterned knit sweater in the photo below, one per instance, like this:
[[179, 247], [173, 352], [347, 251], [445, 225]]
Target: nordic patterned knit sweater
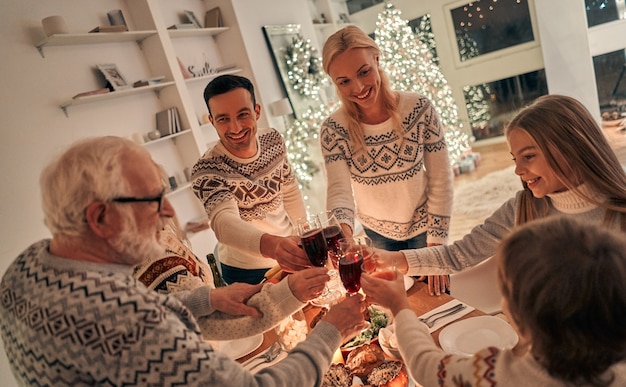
[[400, 187], [72, 323], [180, 271], [482, 242], [246, 198], [489, 367]]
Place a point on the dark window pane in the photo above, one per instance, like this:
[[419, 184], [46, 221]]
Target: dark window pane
[[490, 106], [611, 80], [486, 26], [359, 5], [601, 11]]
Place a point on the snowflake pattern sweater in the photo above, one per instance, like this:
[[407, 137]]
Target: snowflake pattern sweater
[[246, 198], [482, 241], [489, 367], [399, 187], [72, 323]]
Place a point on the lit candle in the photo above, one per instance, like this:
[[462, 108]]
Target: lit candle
[[338, 357]]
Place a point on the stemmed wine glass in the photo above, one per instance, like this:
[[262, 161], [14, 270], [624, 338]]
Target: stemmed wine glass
[[350, 264], [332, 233], [313, 241]]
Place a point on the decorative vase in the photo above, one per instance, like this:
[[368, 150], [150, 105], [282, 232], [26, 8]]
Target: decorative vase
[[154, 135]]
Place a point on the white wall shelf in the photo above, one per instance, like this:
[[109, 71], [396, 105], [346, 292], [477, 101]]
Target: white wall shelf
[[185, 33], [93, 38], [178, 189], [211, 76], [113, 94], [168, 137]]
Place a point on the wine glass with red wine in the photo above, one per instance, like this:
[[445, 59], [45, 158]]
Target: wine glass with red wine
[[313, 242], [312, 239], [350, 264], [332, 233]]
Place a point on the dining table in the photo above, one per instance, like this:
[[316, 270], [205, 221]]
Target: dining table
[[419, 298]]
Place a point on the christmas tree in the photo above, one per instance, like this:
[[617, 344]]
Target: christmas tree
[[410, 67]]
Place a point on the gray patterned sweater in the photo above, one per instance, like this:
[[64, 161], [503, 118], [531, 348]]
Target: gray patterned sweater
[[400, 187], [482, 241], [71, 323], [246, 198]]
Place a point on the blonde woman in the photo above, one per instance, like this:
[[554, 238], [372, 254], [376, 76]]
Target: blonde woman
[[385, 153]]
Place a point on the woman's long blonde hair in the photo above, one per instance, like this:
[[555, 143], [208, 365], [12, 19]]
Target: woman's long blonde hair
[[571, 140], [343, 40]]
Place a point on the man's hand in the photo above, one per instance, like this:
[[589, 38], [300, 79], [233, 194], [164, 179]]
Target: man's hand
[[232, 299], [286, 250], [308, 284]]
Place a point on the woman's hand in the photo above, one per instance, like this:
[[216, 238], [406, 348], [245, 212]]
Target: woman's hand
[[437, 284], [386, 289]]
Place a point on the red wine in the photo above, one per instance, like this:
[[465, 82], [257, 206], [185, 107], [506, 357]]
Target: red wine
[[332, 235], [314, 245], [350, 271]]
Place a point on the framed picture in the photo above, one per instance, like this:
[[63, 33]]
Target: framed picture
[[192, 18], [113, 76]]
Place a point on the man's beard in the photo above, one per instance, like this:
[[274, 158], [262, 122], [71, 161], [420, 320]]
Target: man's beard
[[133, 248]]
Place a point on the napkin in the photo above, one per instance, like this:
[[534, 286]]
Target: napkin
[[446, 320]]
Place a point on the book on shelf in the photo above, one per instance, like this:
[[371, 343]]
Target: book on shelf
[[168, 121], [119, 28], [182, 26], [148, 81], [213, 18]]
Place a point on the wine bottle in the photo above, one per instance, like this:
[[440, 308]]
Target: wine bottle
[[217, 277]]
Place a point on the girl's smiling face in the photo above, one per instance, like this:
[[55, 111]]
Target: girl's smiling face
[[531, 164]]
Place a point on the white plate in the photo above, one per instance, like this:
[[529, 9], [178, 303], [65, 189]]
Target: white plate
[[408, 282], [240, 347], [466, 337]]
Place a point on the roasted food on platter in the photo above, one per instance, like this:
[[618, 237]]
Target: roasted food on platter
[[378, 319], [362, 360], [338, 375], [389, 374]]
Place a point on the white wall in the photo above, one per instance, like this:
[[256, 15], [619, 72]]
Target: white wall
[[34, 129]]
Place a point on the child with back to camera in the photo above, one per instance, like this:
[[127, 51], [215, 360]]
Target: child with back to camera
[[563, 290]]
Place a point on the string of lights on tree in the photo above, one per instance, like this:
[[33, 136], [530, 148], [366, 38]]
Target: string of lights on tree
[[304, 68], [298, 136], [410, 66]]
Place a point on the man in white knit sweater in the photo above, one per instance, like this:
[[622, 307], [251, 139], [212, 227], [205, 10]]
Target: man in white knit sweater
[[247, 187], [72, 313]]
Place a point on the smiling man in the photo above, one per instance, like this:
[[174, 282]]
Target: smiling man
[[247, 186]]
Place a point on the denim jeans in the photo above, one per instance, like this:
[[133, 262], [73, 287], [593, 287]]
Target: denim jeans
[[233, 274], [381, 242]]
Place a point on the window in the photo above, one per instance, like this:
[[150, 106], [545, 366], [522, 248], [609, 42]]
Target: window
[[491, 106], [604, 11], [359, 5], [610, 80], [486, 26]]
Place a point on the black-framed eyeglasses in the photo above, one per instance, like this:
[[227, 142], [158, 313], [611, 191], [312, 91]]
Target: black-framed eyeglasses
[[158, 198]]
